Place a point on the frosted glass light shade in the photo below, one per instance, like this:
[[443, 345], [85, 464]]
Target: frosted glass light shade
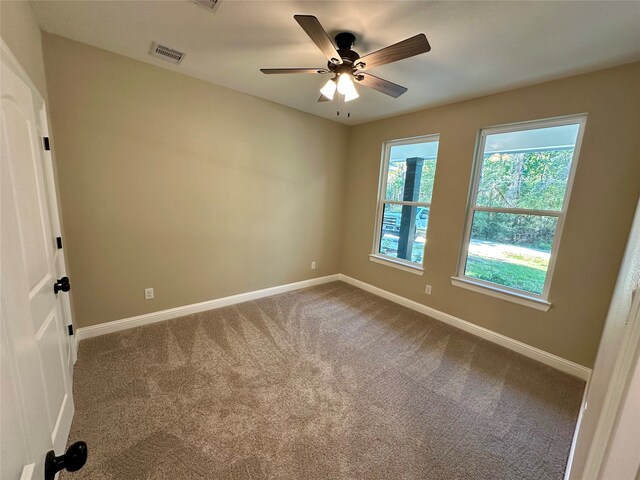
[[329, 89], [347, 88]]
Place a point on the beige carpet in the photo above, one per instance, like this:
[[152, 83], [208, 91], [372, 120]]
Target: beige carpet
[[329, 382]]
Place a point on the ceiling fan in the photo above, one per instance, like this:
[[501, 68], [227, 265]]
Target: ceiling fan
[[348, 66]]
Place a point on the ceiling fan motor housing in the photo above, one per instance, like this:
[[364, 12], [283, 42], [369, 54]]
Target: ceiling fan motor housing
[[345, 41]]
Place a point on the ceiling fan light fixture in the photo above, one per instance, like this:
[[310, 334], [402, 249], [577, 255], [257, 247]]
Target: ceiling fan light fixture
[[329, 89], [344, 81], [347, 88]]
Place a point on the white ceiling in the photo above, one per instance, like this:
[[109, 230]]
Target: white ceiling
[[478, 47]]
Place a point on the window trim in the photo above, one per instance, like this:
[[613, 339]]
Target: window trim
[[400, 264], [375, 255], [503, 291], [494, 290]]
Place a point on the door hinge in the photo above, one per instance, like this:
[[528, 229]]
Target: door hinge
[[70, 327], [59, 242], [45, 140]]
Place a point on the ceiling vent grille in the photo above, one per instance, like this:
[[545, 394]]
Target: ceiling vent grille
[[206, 3], [166, 53]]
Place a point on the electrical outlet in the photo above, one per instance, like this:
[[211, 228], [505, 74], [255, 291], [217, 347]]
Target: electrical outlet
[[427, 289], [313, 265], [148, 293]]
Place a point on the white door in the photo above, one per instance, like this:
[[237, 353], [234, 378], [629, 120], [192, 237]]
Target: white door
[[622, 462], [612, 374], [37, 403]]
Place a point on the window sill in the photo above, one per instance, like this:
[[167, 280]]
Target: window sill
[[521, 299], [396, 264]]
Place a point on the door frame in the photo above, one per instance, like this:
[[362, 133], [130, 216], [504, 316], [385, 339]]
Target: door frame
[[65, 302], [618, 389]]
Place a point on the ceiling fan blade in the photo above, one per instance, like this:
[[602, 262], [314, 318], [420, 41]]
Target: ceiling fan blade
[[312, 27], [271, 71], [381, 85], [323, 99], [398, 51]]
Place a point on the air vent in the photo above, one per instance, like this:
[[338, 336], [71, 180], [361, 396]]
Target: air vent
[[166, 53], [206, 3]]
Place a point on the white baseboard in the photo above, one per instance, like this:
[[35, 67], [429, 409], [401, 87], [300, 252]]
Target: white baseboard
[[527, 350], [153, 317], [547, 358]]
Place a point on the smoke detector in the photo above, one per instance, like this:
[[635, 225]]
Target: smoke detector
[[166, 53]]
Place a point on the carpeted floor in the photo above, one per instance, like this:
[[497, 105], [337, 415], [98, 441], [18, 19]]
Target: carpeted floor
[[329, 382]]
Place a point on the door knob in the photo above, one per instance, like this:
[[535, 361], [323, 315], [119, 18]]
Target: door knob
[[62, 284], [73, 460]]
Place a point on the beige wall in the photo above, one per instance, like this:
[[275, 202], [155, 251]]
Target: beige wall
[[21, 33], [174, 183], [605, 193], [201, 192]]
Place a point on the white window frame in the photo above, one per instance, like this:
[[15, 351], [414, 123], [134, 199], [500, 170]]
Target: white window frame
[[537, 301], [375, 255]]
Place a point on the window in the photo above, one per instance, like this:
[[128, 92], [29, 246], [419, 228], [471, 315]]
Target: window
[[520, 190], [404, 200]]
